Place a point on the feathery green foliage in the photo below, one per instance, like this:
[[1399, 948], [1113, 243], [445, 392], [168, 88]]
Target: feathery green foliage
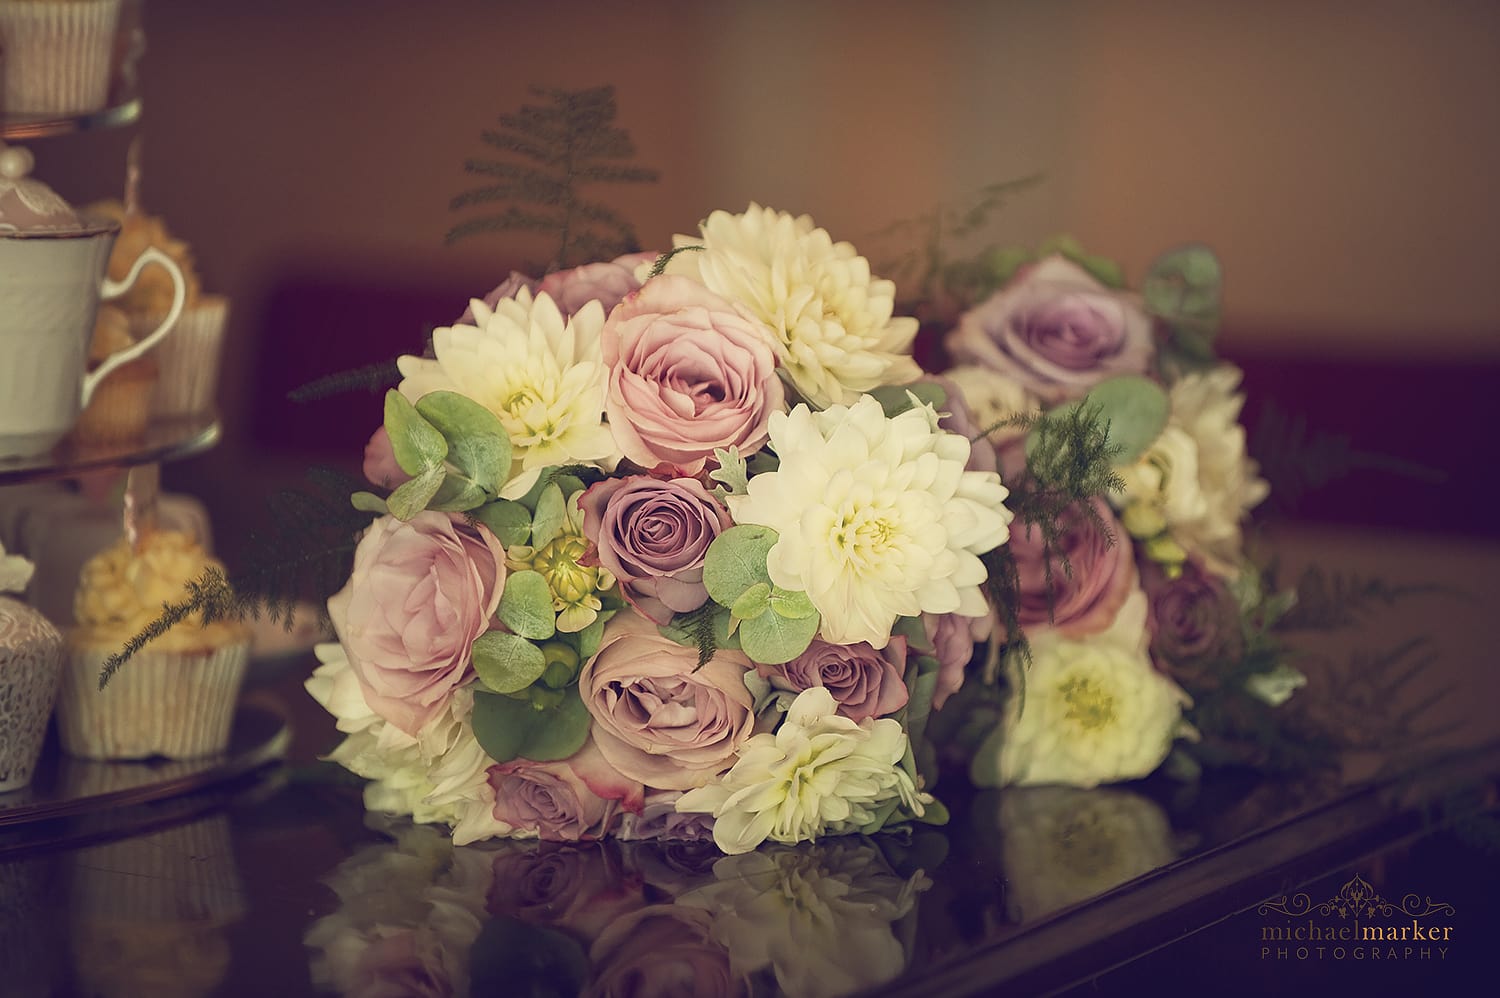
[[304, 554], [372, 378], [1328, 600], [558, 148]]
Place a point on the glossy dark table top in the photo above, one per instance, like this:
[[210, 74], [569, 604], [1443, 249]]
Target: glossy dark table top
[[278, 883]]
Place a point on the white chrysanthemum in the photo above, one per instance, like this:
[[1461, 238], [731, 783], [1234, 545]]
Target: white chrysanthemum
[[877, 516], [1094, 711], [543, 375], [830, 321], [436, 777], [991, 398], [819, 774], [1198, 474]]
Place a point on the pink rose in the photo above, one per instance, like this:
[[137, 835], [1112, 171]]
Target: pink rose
[[1057, 331], [1193, 620], [576, 798], [658, 718], [953, 638], [864, 682], [577, 887], [660, 820], [419, 595], [652, 536], [606, 283], [666, 949], [1085, 598], [688, 372], [381, 469]]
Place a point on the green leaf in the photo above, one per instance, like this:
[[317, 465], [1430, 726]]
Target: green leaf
[[526, 606], [896, 399], [478, 445], [458, 494], [500, 724], [551, 516], [507, 663], [752, 602], [736, 560], [417, 444], [410, 498], [731, 471], [557, 733], [1003, 263], [771, 639], [1184, 287], [368, 502], [791, 603], [921, 684], [1135, 407], [509, 521], [934, 813]]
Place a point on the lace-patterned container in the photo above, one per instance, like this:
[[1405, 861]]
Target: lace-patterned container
[[30, 657]]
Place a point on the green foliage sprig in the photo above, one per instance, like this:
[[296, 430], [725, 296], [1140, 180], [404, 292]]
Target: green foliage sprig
[[1329, 600], [560, 147], [372, 378]]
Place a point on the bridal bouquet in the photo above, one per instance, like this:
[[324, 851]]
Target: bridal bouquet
[[665, 542]]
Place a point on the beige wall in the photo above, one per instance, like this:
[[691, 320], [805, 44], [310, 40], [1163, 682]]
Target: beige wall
[[1340, 156]]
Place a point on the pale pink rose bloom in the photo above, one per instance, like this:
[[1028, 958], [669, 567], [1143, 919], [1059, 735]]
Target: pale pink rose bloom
[[688, 372], [1101, 573], [658, 718], [864, 682], [419, 594], [607, 283], [380, 467], [1057, 331], [652, 536], [573, 799]]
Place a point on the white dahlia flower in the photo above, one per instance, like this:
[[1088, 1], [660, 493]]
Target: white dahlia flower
[[877, 516], [543, 375], [829, 320], [1093, 711], [1197, 473], [819, 774]]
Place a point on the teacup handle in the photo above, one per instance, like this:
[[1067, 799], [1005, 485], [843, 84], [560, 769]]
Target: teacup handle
[[113, 289]]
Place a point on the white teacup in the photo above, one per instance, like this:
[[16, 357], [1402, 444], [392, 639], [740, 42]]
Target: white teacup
[[51, 284]]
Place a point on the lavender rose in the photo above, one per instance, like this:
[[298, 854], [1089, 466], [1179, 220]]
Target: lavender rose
[[1193, 621], [652, 535], [1100, 573], [1056, 331], [953, 637], [660, 821], [578, 887], [607, 283], [658, 718], [864, 682], [688, 372], [419, 595], [577, 798]]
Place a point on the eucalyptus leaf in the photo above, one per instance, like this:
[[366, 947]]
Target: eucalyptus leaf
[[557, 733], [896, 399], [458, 494], [416, 443], [736, 560], [368, 502], [478, 445], [551, 515], [772, 639], [500, 724], [752, 602], [526, 606], [791, 603], [507, 663], [1184, 286], [509, 521], [411, 497], [1135, 407]]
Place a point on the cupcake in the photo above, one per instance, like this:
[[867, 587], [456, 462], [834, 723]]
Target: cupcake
[[176, 697], [57, 55], [120, 408], [30, 649], [189, 358]]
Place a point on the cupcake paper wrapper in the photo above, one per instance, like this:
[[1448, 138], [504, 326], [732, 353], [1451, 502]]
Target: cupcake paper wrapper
[[57, 55], [160, 703], [188, 872], [189, 359], [29, 653]]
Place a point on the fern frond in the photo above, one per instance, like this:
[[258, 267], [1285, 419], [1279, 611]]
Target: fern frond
[[1326, 601], [373, 378]]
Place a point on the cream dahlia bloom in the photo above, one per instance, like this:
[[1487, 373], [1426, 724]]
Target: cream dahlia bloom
[[543, 375], [829, 320], [1197, 473], [877, 516], [1094, 711], [819, 774], [436, 777]]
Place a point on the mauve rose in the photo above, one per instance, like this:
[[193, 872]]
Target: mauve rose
[[658, 718], [1085, 598], [864, 682], [1057, 331], [505, 289], [580, 887], [380, 468], [576, 798], [652, 535], [660, 821], [953, 637], [1193, 620], [664, 950], [607, 283], [419, 594], [688, 372]]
